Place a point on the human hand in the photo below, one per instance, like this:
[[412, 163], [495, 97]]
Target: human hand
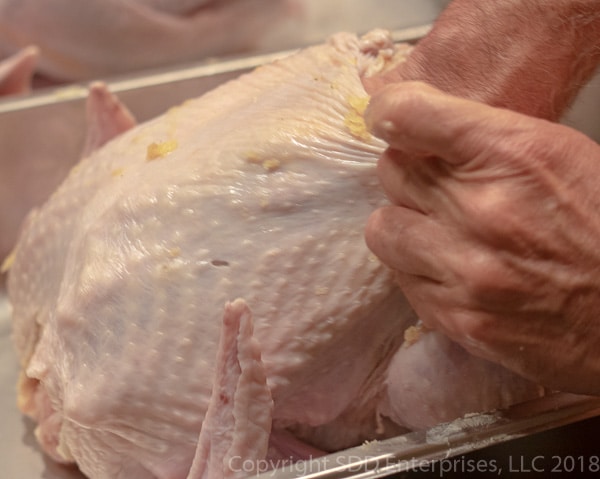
[[494, 230]]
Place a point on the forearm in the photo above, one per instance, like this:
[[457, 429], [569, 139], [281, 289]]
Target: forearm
[[530, 56]]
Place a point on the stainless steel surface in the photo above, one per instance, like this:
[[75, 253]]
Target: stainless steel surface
[[20, 456], [420, 449], [172, 79]]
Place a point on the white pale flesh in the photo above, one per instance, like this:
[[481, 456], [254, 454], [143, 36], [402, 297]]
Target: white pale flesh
[[258, 190]]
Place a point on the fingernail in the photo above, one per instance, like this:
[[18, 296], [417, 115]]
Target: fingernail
[[370, 122], [383, 129], [387, 126]]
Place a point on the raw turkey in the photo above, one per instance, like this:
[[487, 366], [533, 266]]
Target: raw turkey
[[91, 39], [16, 72], [198, 296]]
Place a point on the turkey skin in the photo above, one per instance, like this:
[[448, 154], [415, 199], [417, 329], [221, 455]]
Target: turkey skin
[[198, 291]]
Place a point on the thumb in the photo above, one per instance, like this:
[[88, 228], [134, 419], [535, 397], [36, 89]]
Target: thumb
[[420, 120]]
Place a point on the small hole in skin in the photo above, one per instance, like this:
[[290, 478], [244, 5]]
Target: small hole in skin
[[219, 262]]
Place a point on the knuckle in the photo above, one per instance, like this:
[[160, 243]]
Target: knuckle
[[372, 231], [381, 235], [375, 222], [494, 217], [475, 332], [490, 209], [484, 280], [411, 93], [468, 327]]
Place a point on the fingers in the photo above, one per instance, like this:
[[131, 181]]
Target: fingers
[[409, 181], [420, 120], [407, 241]]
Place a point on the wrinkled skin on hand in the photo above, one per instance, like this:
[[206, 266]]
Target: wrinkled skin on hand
[[494, 230], [530, 56]]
